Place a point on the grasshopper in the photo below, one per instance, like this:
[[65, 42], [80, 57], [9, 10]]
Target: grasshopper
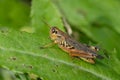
[[74, 48]]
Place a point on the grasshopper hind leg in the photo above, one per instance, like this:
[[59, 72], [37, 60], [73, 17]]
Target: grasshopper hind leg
[[90, 60]]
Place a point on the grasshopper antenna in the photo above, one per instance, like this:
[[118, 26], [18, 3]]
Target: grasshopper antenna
[[46, 23]]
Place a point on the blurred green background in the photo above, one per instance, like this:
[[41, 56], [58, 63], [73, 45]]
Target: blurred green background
[[92, 22], [14, 13]]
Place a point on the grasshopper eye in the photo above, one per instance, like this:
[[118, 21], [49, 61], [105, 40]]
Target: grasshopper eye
[[54, 31]]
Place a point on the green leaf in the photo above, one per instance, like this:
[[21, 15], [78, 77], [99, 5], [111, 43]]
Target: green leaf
[[98, 20], [20, 51]]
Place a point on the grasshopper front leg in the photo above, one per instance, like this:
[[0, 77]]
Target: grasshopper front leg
[[48, 45]]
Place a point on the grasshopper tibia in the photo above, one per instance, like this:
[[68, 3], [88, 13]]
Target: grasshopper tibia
[[100, 57]]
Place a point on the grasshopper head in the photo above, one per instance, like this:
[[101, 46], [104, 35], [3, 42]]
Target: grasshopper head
[[56, 34]]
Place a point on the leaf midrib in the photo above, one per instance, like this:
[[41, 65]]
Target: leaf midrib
[[56, 60]]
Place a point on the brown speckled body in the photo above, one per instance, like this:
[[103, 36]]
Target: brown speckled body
[[71, 46]]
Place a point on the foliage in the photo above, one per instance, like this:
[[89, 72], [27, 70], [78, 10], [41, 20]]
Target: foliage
[[98, 21]]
